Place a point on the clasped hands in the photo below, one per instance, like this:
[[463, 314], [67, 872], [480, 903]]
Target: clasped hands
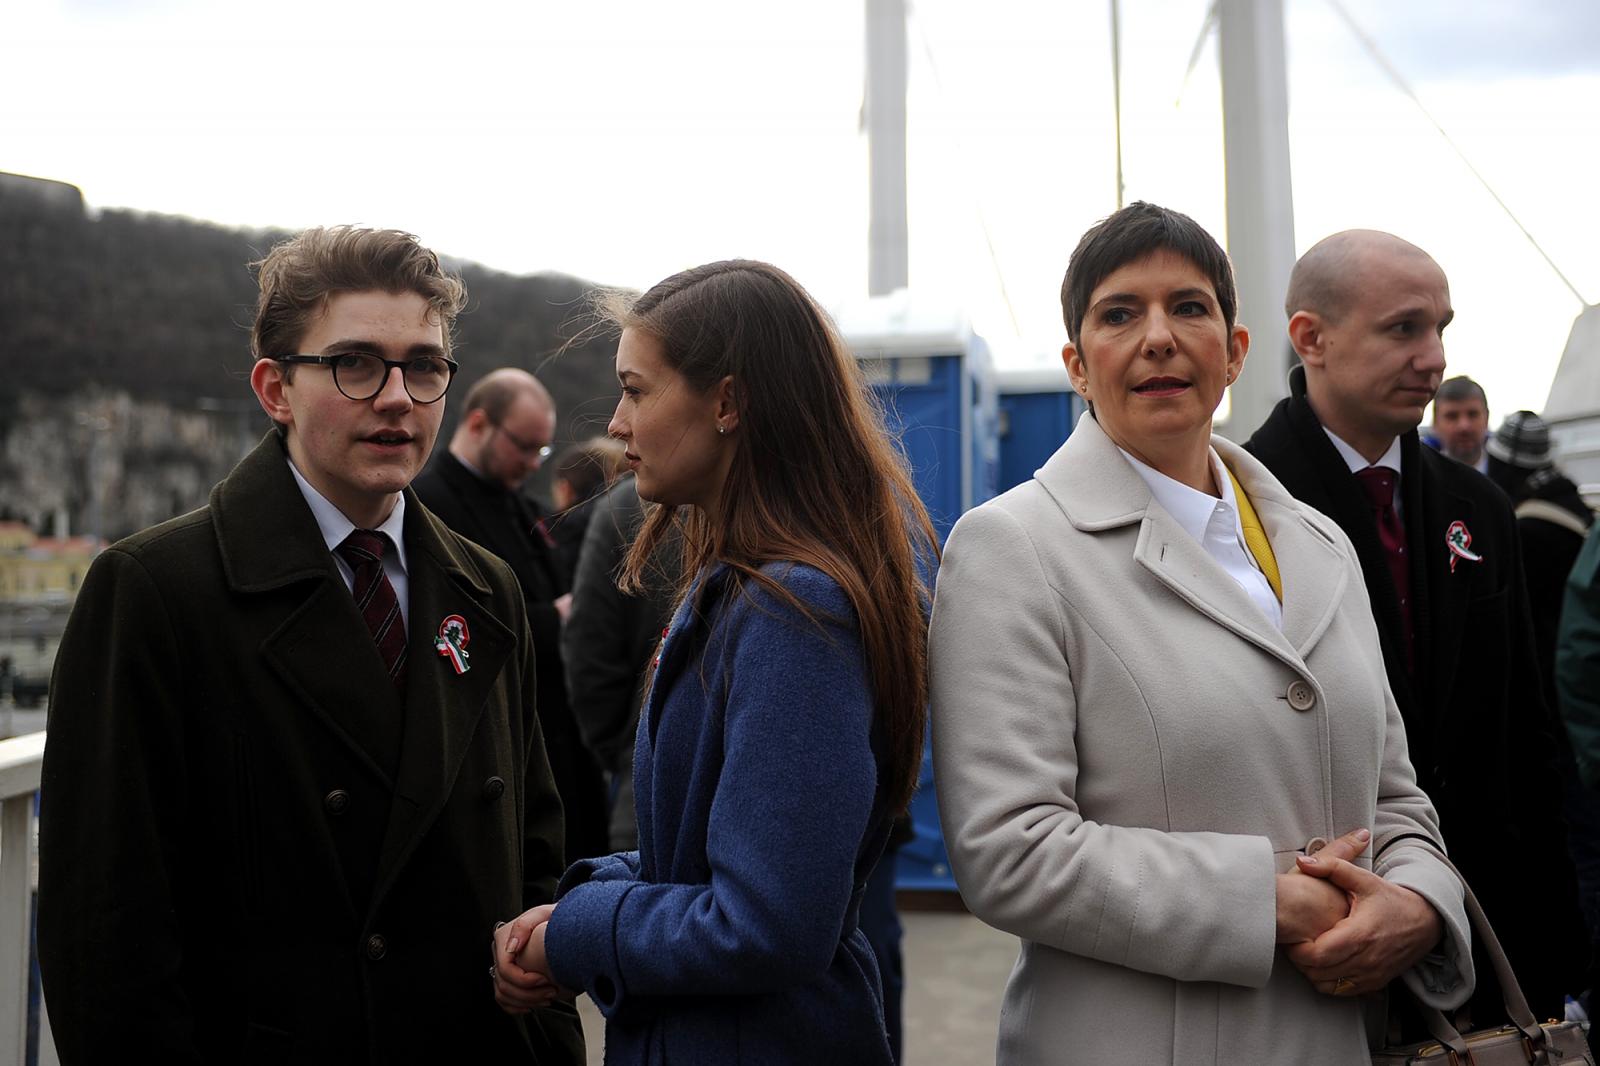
[[1347, 929], [522, 980]]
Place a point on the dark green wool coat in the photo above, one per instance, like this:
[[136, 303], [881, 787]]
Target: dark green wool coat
[[1578, 658], [252, 849]]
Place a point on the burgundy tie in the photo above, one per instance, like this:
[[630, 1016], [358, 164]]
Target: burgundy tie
[[1379, 483], [380, 608]]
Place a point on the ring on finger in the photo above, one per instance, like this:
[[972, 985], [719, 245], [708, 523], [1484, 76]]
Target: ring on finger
[[1343, 986]]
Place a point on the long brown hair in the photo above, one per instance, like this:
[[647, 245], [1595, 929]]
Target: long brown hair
[[815, 479]]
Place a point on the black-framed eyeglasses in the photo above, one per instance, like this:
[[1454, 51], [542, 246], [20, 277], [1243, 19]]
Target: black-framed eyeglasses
[[362, 375], [526, 447]]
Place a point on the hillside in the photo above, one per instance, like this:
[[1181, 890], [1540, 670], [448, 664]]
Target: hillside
[[124, 344]]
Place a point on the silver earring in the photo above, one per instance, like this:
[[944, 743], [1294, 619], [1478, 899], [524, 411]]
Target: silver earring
[[721, 429]]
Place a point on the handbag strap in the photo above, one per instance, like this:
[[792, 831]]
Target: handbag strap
[[1553, 513], [1516, 1003]]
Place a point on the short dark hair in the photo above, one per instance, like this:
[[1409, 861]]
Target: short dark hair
[[300, 274], [1458, 388], [590, 466], [1131, 234]]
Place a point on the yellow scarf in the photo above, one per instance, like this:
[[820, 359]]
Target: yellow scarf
[[1255, 538]]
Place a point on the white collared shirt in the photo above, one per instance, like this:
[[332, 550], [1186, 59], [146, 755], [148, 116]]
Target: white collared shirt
[[336, 527], [1389, 460], [1215, 526]]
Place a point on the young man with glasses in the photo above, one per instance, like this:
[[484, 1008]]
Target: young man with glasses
[[507, 423], [294, 772]]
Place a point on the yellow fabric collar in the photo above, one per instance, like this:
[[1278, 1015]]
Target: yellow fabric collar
[[1255, 538]]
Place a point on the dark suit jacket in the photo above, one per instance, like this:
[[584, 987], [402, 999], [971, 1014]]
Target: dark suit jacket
[[512, 526], [1480, 734], [252, 849], [612, 635]]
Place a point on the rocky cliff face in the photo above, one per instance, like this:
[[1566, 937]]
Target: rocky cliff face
[[112, 464]]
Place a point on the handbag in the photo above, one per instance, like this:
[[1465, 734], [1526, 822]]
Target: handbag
[[1524, 1042]]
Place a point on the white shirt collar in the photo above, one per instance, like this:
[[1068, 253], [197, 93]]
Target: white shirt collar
[[1189, 507], [336, 527], [1357, 462]]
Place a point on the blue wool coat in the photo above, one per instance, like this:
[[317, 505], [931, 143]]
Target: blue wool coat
[[730, 936]]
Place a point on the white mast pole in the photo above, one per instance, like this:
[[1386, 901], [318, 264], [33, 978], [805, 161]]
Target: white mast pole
[[1255, 108], [1116, 90], [885, 111]]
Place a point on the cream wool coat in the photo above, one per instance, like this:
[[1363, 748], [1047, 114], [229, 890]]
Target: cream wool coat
[[1121, 771]]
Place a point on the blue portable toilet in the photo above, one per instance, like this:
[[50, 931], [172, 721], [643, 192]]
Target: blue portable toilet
[[1038, 408], [937, 383]]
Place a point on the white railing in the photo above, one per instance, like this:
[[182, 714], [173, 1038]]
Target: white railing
[[20, 760]]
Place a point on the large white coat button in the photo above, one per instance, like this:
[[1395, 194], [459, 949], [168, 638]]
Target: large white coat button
[[1302, 697]]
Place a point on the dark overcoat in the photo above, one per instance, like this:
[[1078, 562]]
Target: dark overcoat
[[513, 527], [1480, 734], [610, 638], [252, 849]]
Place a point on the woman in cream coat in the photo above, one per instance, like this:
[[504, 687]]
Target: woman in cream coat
[[1142, 723]]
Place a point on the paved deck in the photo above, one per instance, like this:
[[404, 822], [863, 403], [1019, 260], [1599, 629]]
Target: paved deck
[[956, 969]]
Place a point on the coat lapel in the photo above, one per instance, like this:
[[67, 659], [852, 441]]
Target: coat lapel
[[1098, 490], [1313, 472], [1440, 594], [442, 707], [270, 543], [1312, 567]]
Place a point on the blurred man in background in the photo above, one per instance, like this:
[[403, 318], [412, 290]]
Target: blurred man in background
[[581, 476], [508, 422], [1461, 421]]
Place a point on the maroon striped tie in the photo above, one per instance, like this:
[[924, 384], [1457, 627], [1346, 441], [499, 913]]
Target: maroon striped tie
[[380, 608], [1379, 482]]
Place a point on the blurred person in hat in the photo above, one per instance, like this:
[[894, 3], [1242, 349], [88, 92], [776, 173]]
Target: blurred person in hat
[[1552, 520]]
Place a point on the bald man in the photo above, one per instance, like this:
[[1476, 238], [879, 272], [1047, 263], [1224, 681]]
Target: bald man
[[1439, 552], [475, 486]]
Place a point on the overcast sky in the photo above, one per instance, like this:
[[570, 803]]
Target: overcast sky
[[622, 141]]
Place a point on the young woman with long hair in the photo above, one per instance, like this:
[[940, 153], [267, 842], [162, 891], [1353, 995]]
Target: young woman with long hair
[[783, 730]]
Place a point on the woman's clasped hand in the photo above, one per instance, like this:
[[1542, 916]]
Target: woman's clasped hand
[[522, 980], [1347, 929]]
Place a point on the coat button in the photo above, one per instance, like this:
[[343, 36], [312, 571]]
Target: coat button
[[1302, 697], [336, 801], [493, 789], [377, 947]]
